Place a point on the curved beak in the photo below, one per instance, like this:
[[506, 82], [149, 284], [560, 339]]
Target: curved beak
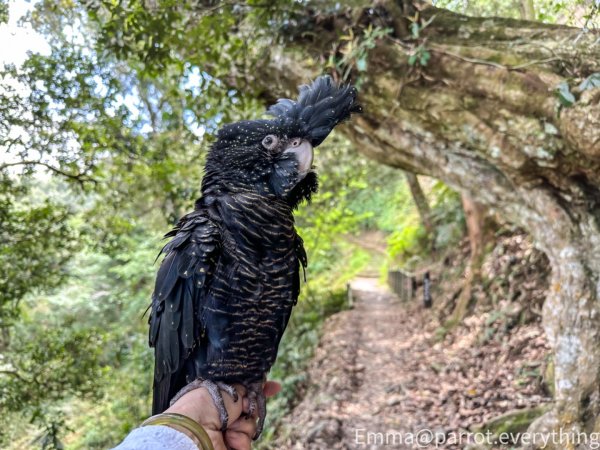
[[303, 151]]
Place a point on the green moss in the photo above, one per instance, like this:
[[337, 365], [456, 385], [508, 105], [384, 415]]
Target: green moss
[[514, 421]]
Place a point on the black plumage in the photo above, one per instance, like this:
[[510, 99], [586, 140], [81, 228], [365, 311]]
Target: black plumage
[[231, 272]]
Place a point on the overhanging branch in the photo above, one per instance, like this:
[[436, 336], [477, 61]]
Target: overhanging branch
[[80, 177]]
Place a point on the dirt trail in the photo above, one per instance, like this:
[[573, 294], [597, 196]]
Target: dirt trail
[[357, 360], [380, 367]]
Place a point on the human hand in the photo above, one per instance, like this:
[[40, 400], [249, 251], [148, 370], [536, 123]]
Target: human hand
[[240, 433], [199, 406]]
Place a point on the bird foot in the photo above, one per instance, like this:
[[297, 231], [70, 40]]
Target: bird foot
[[214, 389], [258, 404]]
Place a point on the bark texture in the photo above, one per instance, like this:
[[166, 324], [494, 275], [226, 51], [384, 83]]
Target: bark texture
[[482, 115], [475, 220], [421, 202]]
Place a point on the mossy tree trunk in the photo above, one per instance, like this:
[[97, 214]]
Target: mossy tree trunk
[[482, 115]]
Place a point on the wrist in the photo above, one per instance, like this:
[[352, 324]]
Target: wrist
[[193, 405], [185, 431], [185, 425]]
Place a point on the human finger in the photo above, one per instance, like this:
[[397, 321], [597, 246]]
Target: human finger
[[234, 407], [238, 441], [239, 435], [271, 388]]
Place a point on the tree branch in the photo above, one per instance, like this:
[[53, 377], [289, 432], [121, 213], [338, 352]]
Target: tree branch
[[81, 177], [494, 64], [15, 374]]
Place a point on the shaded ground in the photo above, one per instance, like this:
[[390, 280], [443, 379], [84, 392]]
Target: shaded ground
[[388, 367]]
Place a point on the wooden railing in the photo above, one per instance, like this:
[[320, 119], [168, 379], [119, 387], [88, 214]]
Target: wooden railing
[[402, 283]]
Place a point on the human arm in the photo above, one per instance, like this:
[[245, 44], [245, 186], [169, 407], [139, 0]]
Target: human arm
[[198, 406]]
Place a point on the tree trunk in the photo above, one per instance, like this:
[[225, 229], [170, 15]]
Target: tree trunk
[[421, 204], [475, 219], [527, 9], [482, 115]]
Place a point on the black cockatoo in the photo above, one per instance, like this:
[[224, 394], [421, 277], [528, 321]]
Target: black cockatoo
[[231, 273]]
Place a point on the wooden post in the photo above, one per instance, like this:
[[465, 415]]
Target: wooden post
[[349, 295], [427, 301]]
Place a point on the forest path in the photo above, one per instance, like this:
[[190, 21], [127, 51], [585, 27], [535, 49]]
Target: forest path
[[382, 370], [355, 375]]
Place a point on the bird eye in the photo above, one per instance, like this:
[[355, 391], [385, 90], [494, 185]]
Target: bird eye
[[270, 142]]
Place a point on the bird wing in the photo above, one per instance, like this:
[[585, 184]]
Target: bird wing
[[303, 260], [176, 321]]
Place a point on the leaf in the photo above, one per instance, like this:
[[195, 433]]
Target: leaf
[[591, 82], [565, 96], [425, 56], [415, 29], [361, 64], [412, 59]]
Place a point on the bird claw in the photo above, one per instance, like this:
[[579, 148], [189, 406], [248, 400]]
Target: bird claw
[[233, 393], [256, 397], [214, 390], [252, 404], [258, 404]]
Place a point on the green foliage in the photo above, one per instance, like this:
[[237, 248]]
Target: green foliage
[[3, 11], [48, 359], [419, 54], [447, 216], [409, 243], [94, 329], [36, 243], [166, 33], [354, 52], [591, 82], [42, 366], [563, 92]]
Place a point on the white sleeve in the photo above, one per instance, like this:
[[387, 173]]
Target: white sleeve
[[156, 437]]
